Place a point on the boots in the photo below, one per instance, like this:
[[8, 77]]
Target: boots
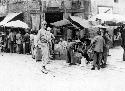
[[93, 68]]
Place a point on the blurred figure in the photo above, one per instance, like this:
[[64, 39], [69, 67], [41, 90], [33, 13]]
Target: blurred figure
[[98, 43], [11, 41], [50, 37], [3, 42], [70, 52], [63, 44], [35, 45], [32, 43], [19, 41], [86, 43], [27, 43], [122, 31], [106, 47]]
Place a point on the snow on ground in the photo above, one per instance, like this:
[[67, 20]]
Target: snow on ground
[[22, 73]]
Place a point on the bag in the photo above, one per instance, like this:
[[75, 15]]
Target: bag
[[38, 55]]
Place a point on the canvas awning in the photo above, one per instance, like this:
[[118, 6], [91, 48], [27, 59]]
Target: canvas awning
[[80, 22], [17, 24], [61, 23], [9, 17]]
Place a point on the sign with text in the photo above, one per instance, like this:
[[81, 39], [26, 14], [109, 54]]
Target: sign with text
[[105, 9]]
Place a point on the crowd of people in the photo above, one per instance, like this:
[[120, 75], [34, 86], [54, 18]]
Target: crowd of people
[[14, 42], [40, 44], [95, 50]]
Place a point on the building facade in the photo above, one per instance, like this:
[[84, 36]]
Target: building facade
[[35, 11], [122, 7], [104, 6]]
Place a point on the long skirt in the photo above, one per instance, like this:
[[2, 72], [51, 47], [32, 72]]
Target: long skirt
[[45, 53]]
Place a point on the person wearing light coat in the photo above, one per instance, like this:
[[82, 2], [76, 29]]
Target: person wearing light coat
[[98, 43]]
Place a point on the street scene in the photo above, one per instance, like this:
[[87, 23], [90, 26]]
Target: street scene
[[62, 45]]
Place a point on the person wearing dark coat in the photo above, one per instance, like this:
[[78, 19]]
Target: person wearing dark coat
[[11, 41], [27, 43], [87, 43], [106, 47], [122, 31], [70, 49]]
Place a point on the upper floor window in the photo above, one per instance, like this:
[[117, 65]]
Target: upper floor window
[[76, 4], [116, 1]]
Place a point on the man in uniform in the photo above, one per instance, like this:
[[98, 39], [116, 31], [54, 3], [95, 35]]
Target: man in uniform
[[98, 43], [43, 45]]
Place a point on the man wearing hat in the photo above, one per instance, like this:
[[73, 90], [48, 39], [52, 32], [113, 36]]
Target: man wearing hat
[[98, 43], [42, 43]]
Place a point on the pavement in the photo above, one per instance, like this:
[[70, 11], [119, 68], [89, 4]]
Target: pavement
[[21, 73]]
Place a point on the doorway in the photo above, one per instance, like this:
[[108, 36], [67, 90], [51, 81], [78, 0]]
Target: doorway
[[53, 17]]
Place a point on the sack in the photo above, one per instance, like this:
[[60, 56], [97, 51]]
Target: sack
[[83, 62]]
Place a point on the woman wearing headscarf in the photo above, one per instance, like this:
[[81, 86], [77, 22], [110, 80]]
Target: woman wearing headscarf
[[42, 43]]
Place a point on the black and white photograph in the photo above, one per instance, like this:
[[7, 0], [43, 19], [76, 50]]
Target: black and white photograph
[[62, 45]]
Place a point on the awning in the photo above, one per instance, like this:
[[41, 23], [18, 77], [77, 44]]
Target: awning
[[100, 26], [61, 23], [108, 17], [80, 22], [9, 17], [16, 24]]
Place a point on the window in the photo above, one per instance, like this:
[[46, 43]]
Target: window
[[76, 4], [116, 1]]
